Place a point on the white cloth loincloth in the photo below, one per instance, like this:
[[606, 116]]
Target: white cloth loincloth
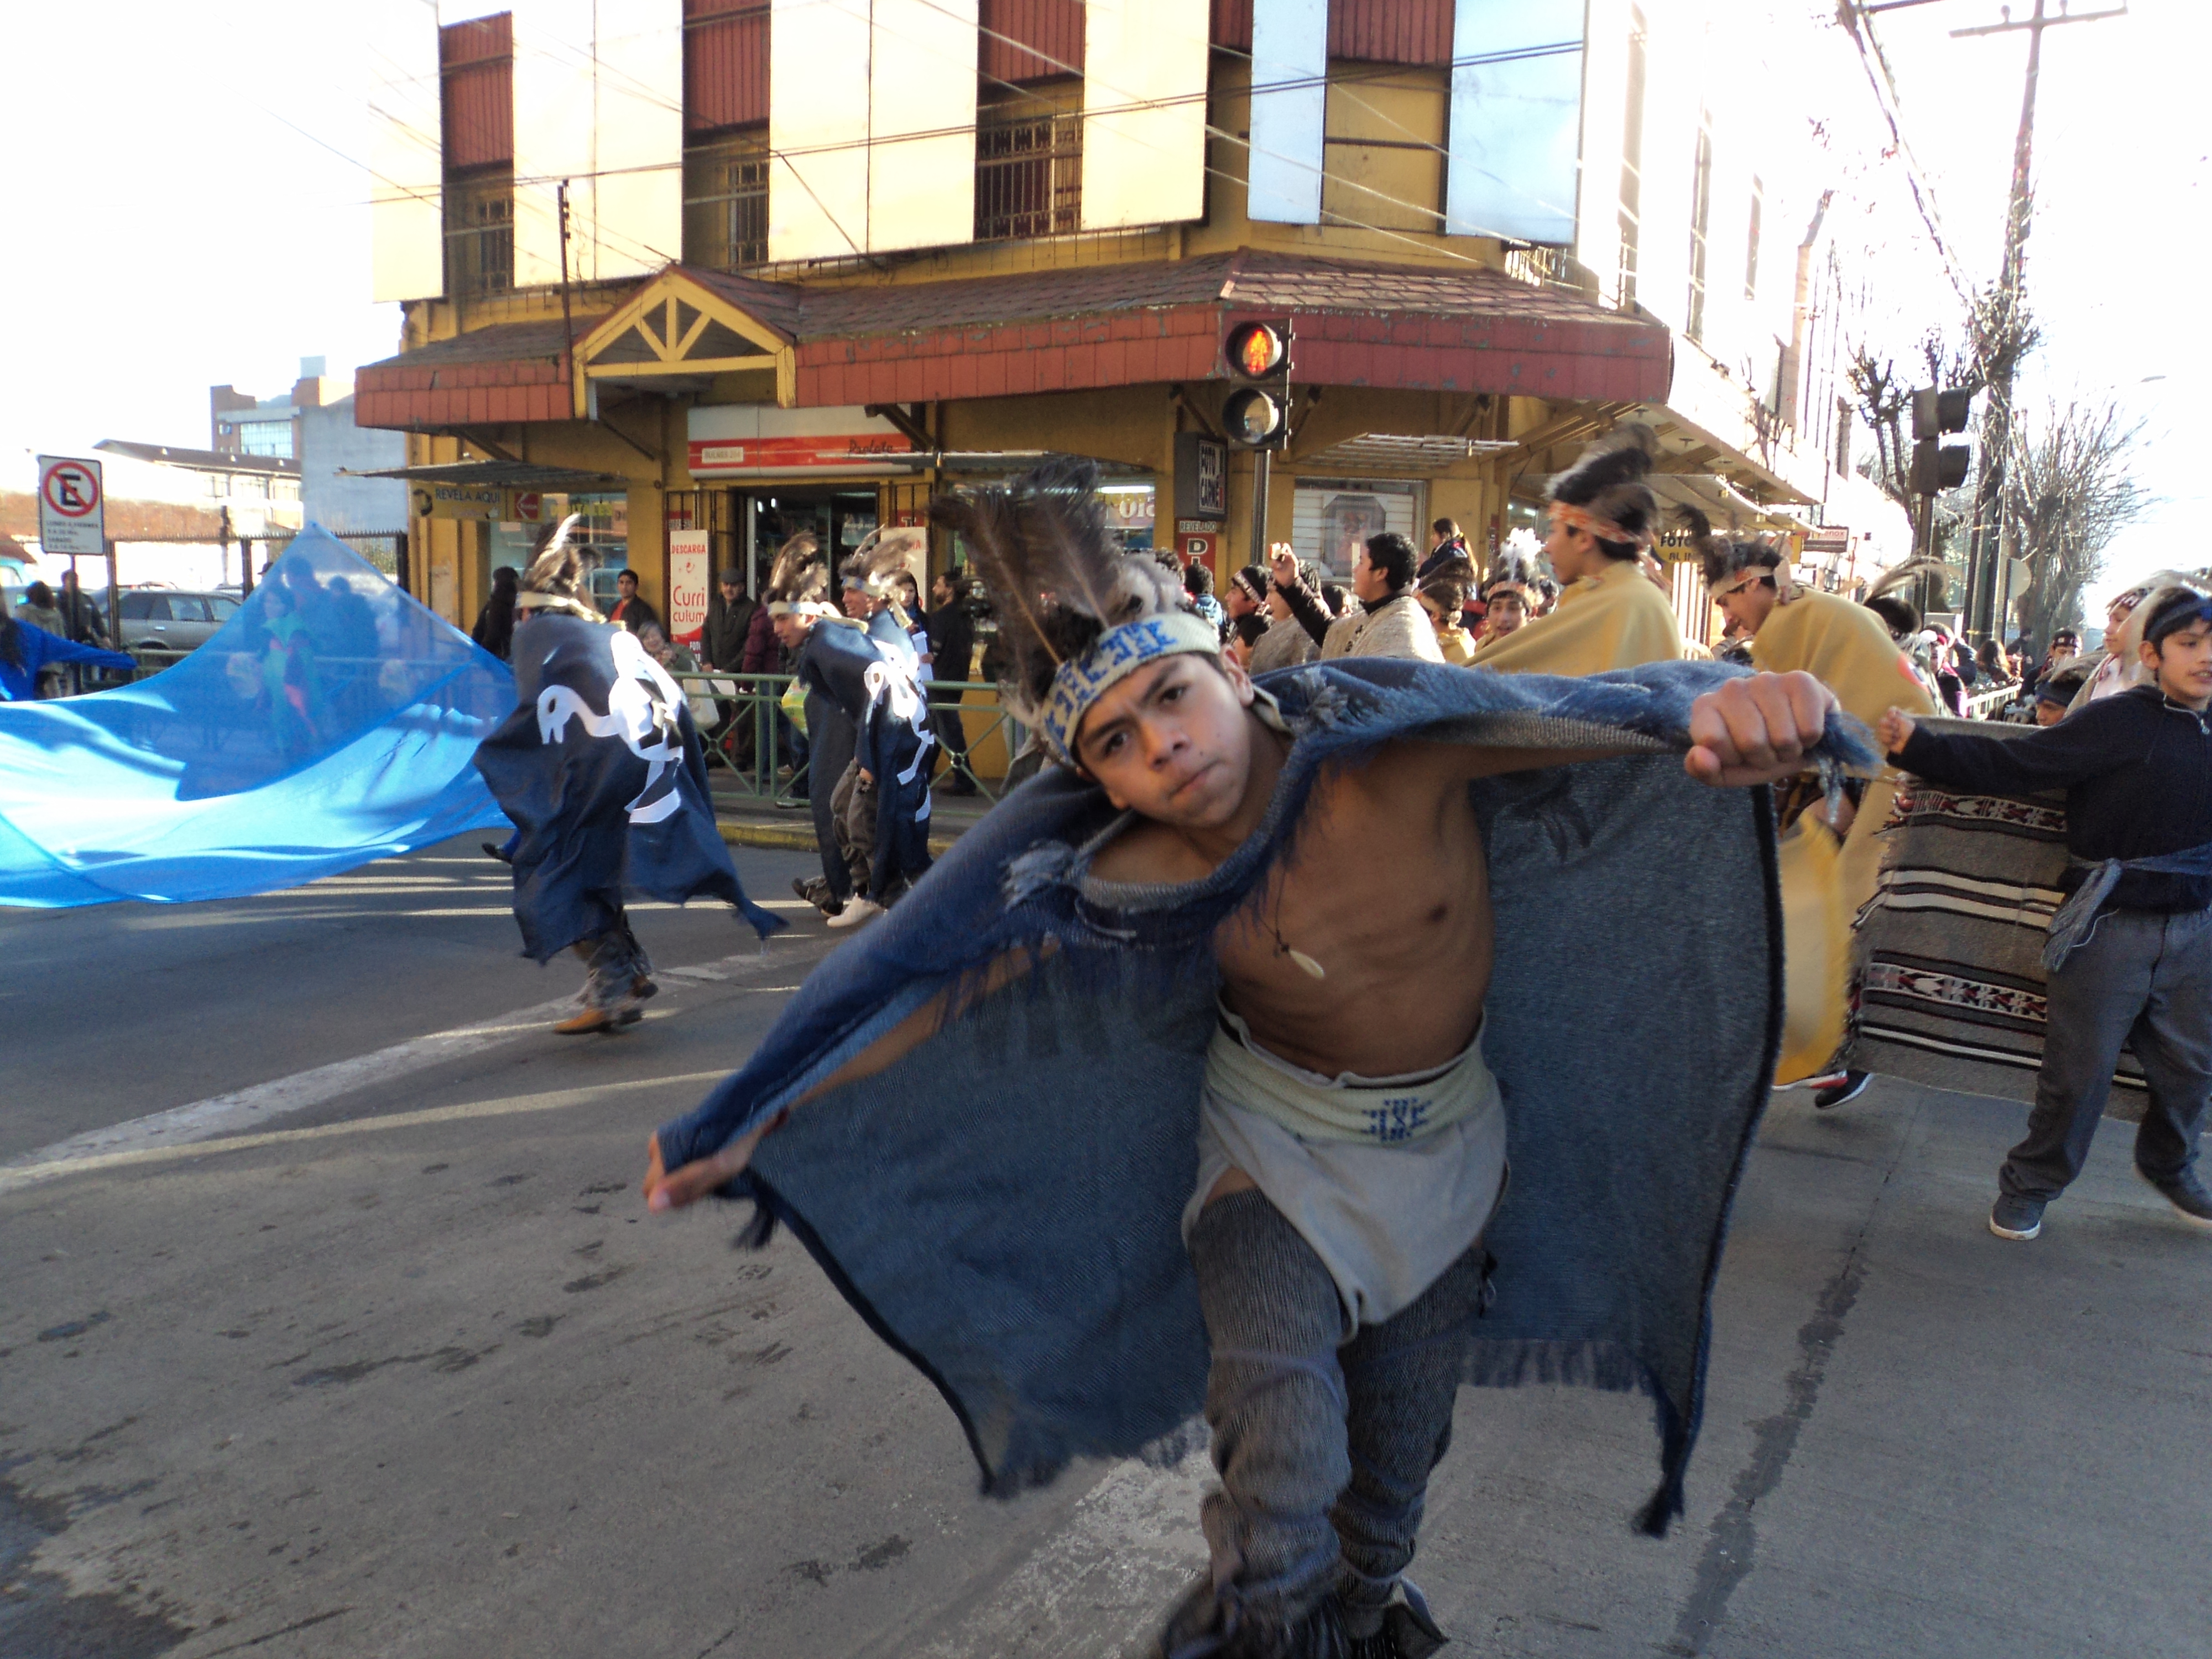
[[1385, 1217]]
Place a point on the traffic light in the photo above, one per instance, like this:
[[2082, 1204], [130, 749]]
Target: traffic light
[[1256, 356], [1934, 413], [1936, 465]]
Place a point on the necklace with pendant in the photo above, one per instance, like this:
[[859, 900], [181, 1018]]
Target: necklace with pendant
[[1285, 948]]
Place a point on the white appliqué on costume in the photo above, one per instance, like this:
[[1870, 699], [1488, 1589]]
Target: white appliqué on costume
[[641, 711], [899, 696]]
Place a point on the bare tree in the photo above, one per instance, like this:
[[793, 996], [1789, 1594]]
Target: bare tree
[[1998, 333], [1882, 405], [2070, 494]]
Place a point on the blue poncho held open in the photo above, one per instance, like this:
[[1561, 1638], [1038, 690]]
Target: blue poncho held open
[[330, 721], [1001, 1203]]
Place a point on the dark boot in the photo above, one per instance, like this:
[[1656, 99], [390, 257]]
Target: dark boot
[[1206, 1624], [1407, 1631]]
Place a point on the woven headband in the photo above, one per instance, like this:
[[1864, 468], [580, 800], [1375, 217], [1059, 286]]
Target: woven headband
[[2185, 609], [1120, 653], [1576, 518]]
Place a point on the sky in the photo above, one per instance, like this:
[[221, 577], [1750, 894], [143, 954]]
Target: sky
[[184, 212]]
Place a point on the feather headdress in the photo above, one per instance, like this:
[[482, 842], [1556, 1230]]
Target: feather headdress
[[1061, 587], [886, 555], [555, 580], [1885, 597], [1605, 494], [1728, 561], [798, 580], [1513, 571]]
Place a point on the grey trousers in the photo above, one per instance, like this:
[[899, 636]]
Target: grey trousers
[[853, 820], [2142, 979], [614, 963], [1324, 1446]]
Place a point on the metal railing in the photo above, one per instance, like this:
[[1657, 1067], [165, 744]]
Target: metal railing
[[1979, 705], [753, 740]]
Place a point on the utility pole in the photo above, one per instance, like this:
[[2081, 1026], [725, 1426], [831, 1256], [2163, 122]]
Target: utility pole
[[567, 326], [1986, 551]]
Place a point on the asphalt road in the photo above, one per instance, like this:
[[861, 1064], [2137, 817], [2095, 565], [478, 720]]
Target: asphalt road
[[397, 1365]]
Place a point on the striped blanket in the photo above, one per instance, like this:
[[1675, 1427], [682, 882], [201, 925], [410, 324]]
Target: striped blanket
[[1947, 974]]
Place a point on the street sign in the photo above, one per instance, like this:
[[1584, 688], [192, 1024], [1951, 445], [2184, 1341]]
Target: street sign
[[72, 507], [687, 582]]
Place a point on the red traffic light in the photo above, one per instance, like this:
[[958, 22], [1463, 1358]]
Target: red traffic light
[[1256, 351]]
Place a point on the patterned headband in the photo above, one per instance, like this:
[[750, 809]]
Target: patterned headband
[[1120, 653], [1576, 518], [2185, 609]]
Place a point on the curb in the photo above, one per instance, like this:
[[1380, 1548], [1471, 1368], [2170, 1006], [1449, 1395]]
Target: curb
[[793, 839]]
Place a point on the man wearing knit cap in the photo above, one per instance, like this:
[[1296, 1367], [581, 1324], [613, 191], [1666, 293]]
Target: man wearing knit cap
[[2130, 952]]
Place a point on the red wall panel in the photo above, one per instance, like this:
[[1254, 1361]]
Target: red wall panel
[[1391, 31], [476, 68], [1378, 31], [725, 64], [1053, 28]]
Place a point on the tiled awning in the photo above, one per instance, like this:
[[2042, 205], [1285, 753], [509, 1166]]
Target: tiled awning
[[1457, 329]]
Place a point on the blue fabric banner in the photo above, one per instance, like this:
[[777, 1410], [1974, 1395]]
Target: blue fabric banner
[[331, 721]]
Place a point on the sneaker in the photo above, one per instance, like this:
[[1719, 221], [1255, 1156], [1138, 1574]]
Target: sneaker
[[494, 850], [2014, 1217], [2187, 1195], [856, 911], [1850, 1086]]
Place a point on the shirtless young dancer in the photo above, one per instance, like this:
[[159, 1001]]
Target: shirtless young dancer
[[1351, 992]]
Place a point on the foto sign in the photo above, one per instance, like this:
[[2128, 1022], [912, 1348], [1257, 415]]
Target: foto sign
[[448, 500], [72, 507], [688, 573]]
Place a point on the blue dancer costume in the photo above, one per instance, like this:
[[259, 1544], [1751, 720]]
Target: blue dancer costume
[[1003, 1203]]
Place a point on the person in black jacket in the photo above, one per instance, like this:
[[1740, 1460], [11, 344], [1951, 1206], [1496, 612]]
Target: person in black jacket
[[729, 619], [2130, 952], [950, 625], [494, 629]]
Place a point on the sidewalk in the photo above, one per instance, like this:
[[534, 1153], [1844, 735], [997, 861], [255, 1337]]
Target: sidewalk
[[748, 820]]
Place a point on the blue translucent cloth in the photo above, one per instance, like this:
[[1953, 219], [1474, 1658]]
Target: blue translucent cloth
[[330, 721]]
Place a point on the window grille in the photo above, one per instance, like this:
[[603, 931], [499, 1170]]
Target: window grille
[[480, 234], [726, 206], [1029, 177]]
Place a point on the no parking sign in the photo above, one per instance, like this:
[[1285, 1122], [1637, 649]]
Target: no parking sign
[[72, 507]]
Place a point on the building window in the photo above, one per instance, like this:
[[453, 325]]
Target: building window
[[1029, 175], [266, 438], [480, 233], [1631, 159], [725, 204], [1751, 254], [1701, 219]]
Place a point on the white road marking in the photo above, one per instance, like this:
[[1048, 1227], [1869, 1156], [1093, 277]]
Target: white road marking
[[247, 1109], [1098, 1585], [13, 1176]]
